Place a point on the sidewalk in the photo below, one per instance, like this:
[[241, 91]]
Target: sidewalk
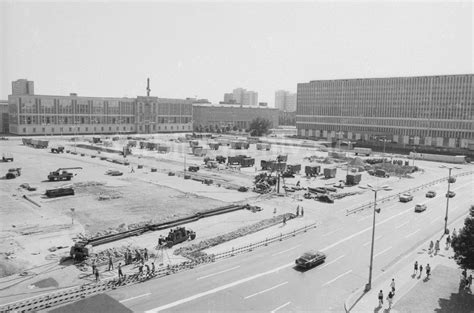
[[415, 292]]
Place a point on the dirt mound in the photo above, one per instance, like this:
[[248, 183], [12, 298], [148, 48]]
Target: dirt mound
[[357, 162]]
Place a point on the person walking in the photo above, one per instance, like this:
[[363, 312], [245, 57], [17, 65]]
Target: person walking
[[448, 242], [284, 220], [428, 270], [302, 212], [421, 270], [145, 254], [93, 267], [469, 282], [298, 210], [111, 263], [96, 275], [392, 285], [431, 247], [380, 298], [274, 210], [415, 268], [152, 268], [120, 273], [436, 247], [140, 269], [390, 299]]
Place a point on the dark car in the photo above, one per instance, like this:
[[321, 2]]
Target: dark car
[[450, 194], [431, 194], [310, 259]]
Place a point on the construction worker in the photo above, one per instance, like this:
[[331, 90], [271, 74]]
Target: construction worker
[[96, 274], [145, 254], [120, 273], [298, 210], [152, 267], [93, 267], [111, 263], [302, 212]]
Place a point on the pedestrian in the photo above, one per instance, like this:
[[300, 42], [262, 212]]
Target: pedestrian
[[130, 257], [464, 273], [469, 281], [392, 285], [93, 267], [132, 171], [125, 257], [436, 247], [431, 246], [448, 242], [152, 267], [298, 210], [111, 263], [145, 254], [140, 269], [96, 274], [428, 270], [274, 210], [415, 269], [421, 270], [302, 212], [380, 298], [147, 269], [120, 273], [284, 220], [390, 299], [298, 184]]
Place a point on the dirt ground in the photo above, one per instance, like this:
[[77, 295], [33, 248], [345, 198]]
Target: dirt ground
[[102, 202]]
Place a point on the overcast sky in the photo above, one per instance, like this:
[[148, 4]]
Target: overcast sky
[[206, 49]]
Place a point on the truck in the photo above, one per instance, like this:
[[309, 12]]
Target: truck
[[13, 173], [330, 172], [363, 151], [59, 192], [62, 174], [353, 179], [175, 236], [7, 157]]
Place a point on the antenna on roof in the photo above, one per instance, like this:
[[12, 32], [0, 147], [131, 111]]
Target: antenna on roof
[[148, 87]]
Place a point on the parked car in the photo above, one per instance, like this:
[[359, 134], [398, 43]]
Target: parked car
[[420, 207], [450, 194], [310, 259], [431, 194]]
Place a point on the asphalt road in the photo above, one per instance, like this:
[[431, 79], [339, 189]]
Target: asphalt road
[[266, 280]]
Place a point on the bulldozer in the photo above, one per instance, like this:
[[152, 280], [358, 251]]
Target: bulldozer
[[175, 236], [62, 174], [59, 149]]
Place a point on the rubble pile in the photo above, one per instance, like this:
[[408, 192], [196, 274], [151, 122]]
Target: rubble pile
[[264, 182], [102, 257], [195, 250]]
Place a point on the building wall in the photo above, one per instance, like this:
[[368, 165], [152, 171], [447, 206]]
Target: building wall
[[4, 119], [426, 110], [285, 101], [231, 115]]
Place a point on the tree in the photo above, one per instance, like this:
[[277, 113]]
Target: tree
[[259, 127], [463, 243]]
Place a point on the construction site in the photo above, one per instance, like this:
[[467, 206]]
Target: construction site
[[73, 203]]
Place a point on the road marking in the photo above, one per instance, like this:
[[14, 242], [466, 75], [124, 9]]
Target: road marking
[[409, 235], [382, 252], [331, 232], [364, 218], [333, 280], [214, 274], [217, 289], [266, 290], [368, 242], [401, 225], [280, 307], [286, 250], [332, 261], [436, 219], [143, 295]]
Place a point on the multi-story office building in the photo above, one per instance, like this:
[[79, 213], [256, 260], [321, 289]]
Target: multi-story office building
[[32, 114], [4, 120], [427, 110], [241, 96], [285, 101], [206, 115]]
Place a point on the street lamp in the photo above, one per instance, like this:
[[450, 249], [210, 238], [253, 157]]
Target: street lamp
[[447, 195], [375, 190]]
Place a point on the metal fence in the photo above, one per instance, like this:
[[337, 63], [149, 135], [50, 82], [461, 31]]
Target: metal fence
[[397, 195]]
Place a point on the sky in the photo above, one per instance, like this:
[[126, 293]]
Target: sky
[[205, 49]]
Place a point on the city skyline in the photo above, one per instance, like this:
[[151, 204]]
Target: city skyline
[[109, 49]]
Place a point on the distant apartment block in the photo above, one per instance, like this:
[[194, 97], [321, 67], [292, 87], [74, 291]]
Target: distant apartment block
[[241, 96], [426, 110], [285, 101], [31, 114]]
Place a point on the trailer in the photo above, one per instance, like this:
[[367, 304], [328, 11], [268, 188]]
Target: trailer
[[264, 146], [247, 162], [312, 171], [330, 172], [363, 151], [59, 192], [353, 179]]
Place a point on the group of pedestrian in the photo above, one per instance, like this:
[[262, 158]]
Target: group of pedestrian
[[390, 295], [427, 269], [298, 211], [434, 247], [466, 281], [139, 256]]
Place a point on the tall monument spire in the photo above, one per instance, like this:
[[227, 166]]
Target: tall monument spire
[[148, 87]]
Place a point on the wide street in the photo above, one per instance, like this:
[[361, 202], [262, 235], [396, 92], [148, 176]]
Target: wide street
[[266, 279]]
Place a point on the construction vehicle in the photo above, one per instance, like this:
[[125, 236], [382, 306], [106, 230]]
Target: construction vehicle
[[80, 251], [175, 236], [330, 172], [193, 168], [59, 149], [6, 157], [353, 179], [13, 173], [62, 174]]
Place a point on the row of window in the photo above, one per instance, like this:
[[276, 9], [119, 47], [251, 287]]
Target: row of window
[[79, 129]]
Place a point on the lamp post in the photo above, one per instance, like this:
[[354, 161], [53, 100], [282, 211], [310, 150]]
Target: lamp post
[[375, 190], [72, 215], [447, 196]]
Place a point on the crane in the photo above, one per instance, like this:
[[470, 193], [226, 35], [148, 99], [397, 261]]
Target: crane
[[62, 174]]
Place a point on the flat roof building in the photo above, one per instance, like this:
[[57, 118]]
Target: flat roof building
[[32, 114], [425, 110]]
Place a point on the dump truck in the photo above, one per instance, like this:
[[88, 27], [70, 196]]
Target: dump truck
[[353, 179], [62, 174], [175, 236], [330, 172], [59, 192], [13, 173]]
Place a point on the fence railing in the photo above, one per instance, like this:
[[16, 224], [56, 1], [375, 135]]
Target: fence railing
[[86, 290], [397, 195]]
